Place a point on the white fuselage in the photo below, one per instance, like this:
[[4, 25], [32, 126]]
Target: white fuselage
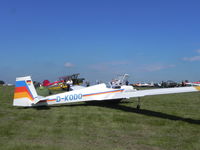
[[92, 93]]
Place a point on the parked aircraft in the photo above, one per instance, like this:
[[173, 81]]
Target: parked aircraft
[[62, 82], [25, 94], [192, 83], [144, 84]]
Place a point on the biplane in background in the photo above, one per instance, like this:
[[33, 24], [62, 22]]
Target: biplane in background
[[63, 82]]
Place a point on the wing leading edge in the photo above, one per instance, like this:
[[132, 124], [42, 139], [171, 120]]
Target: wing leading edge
[[163, 91]]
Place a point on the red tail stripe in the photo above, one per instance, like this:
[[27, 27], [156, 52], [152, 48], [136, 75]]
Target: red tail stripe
[[22, 89]]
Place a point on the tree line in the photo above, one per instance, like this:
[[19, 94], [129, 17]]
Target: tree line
[[2, 82]]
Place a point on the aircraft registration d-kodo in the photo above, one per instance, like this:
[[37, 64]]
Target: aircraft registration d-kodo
[[25, 94]]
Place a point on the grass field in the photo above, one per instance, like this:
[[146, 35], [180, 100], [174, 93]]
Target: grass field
[[167, 122]]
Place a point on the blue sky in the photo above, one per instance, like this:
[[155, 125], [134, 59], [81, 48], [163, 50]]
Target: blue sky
[[150, 40]]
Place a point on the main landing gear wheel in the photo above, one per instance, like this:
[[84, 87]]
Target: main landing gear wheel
[[138, 107]]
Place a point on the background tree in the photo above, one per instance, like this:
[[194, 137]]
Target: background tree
[[2, 82]]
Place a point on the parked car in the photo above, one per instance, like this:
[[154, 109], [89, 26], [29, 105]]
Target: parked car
[[168, 84]]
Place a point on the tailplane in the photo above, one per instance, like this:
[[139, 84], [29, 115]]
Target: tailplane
[[25, 93]]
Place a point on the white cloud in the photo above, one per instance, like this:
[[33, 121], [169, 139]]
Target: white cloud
[[99, 67], [107, 66], [191, 59], [116, 63], [111, 68], [198, 51], [152, 68], [69, 65]]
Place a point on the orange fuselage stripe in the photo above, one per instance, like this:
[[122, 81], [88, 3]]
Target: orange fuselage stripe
[[102, 93]]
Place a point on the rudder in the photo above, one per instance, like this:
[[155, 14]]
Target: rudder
[[25, 93]]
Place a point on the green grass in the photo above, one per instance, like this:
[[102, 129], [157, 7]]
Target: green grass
[[167, 122]]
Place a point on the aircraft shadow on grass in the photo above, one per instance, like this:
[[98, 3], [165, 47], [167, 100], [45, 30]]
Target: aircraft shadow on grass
[[117, 106]]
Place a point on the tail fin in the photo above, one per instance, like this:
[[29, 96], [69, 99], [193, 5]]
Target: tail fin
[[25, 93]]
